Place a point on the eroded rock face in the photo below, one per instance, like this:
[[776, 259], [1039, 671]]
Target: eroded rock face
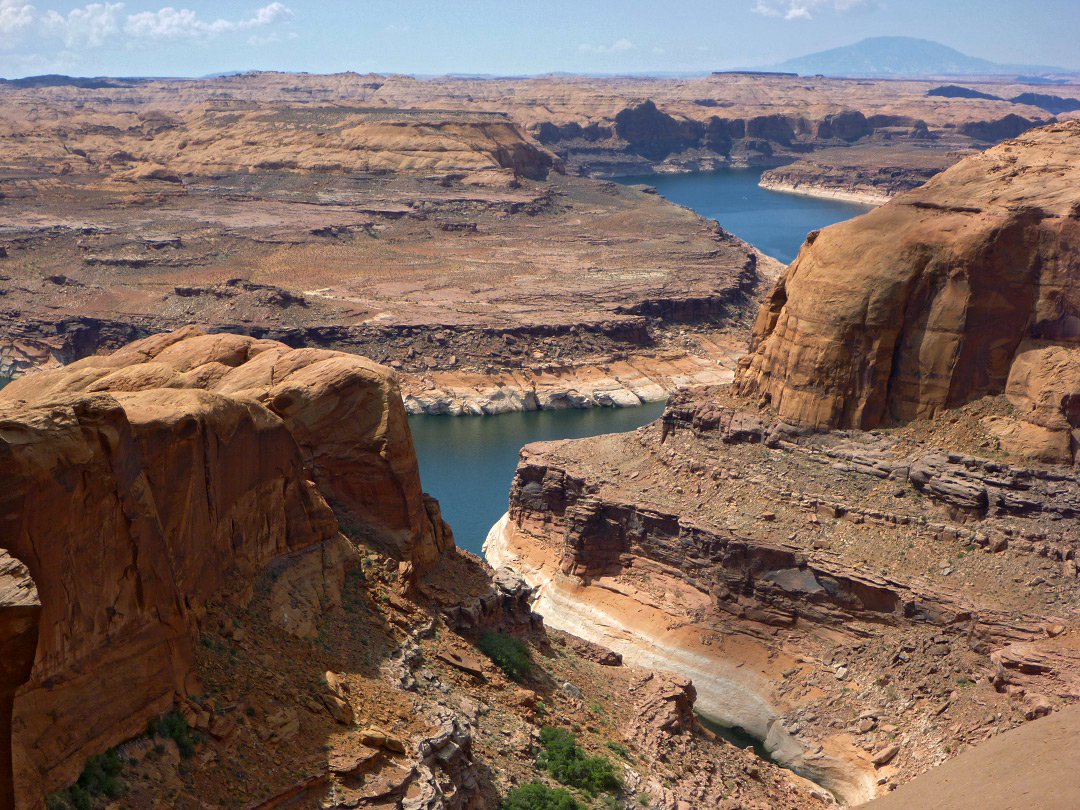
[[344, 412], [20, 612], [690, 541], [926, 302], [138, 487]]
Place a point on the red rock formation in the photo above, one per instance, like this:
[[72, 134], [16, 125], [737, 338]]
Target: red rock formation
[[923, 303], [344, 412], [138, 487], [20, 612]]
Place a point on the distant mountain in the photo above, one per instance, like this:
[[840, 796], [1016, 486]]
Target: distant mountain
[[58, 80], [895, 56]]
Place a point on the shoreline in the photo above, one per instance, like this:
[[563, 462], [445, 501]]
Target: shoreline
[[636, 379], [728, 692], [825, 192], [624, 384]]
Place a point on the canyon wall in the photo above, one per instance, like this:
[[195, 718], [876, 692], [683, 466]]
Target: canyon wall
[[20, 612], [140, 486], [822, 588], [933, 299]]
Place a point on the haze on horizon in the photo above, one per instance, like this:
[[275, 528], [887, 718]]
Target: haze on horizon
[[505, 37]]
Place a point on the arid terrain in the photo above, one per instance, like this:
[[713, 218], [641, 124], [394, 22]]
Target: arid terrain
[[299, 631], [850, 535], [863, 552], [436, 225]]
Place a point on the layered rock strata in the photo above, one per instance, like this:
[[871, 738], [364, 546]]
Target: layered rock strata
[[955, 290], [486, 290], [802, 578], [871, 174], [151, 481]]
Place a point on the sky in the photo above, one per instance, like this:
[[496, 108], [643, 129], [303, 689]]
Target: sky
[[506, 37]]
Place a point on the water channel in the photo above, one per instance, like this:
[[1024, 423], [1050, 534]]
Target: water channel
[[774, 222], [468, 462]]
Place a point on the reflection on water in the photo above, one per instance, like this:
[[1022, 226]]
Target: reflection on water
[[468, 462]]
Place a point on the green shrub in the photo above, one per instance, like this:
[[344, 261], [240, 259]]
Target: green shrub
[[173, 725], [80, 798], [538, 796], [570, 765], [509, 654], [99, 776], [620, 749]]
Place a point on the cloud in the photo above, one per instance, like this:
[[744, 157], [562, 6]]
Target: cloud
[[618, 46], [256, 40], [87, 26], [170, 23], [15, 16], [805, 9]]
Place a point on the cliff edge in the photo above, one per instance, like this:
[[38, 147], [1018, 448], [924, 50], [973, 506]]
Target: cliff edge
[[961, 288], [138, 488]]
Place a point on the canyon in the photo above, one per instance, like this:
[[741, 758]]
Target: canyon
[[449, 227], [861, 552], [848, 535], [231, 531]]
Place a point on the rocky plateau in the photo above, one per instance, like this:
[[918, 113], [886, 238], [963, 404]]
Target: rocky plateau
[[445, 226], [863, 553], [218, 567]]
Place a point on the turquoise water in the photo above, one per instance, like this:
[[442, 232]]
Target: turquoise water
[[4, 381], [774, 222], [468, 462]]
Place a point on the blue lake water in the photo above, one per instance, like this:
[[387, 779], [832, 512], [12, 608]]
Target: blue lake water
[[774, 222], [468, 462]]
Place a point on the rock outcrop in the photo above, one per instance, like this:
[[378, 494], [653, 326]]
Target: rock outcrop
[[733, 548], [961, 288], [138, 487], [20, 612]]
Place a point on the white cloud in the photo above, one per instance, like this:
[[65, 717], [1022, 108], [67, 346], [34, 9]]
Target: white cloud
[[618, 46], [268, 15], [804, 9], [15, 16], [94, 24], [87, 26], [171, 23], [271, 39]]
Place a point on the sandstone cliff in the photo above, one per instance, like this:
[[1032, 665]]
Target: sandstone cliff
[[961, 288], [821, 588], [138, 487], [20, 612]]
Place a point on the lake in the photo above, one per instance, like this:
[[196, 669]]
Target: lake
[[774, 222], [468, 462]]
